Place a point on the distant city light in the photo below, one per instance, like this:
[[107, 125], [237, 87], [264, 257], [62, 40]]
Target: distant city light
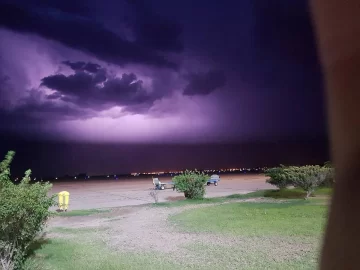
[[169, 172], [254, 169]]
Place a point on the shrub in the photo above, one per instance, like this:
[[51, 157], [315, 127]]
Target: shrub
[[192, 183], [24, 210], [278, 177], [328, 164], [307, 177], [330, 178]]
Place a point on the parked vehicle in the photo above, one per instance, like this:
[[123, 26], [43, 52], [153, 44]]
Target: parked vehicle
[[214, 179], [160, 185]]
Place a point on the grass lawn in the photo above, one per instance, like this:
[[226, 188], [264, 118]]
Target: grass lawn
[[295, 218], [91, 255], [295, 193], [86, 212], [279, 235], [77, 231], [255, 254], [263, 234], [290, 193], [250, 195]]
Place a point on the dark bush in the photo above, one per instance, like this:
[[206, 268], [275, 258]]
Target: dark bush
[[278, 177], [24, 210], [330, 178], [307, 177], [192, 183]]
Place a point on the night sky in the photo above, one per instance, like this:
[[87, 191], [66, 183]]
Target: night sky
[[120, 86]]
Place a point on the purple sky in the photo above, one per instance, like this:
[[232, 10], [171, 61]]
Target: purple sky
[[159, 72]]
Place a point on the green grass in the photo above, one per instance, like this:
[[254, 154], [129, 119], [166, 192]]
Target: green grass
[[255, 194], [188, 201], [73, 213], [296, 218], [89, 254], [295, 193], [274, 235], [65, 254], [254, 254], [324, 191], [280, 235], [285, 194], [77, 231]]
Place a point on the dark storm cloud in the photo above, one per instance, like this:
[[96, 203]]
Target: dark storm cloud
[[5, 89], [35, 106], [205, 83], [98, 90], [90, 67], [69, 6], [275, 47], [155, 31], [32, 113], [79, 32], [267, 51], [159, 34], [50, 111], [284, 46]]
